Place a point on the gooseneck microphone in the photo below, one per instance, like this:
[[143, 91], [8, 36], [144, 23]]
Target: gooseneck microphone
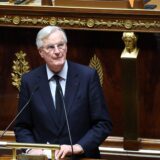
[[66, 117], [26, 104]]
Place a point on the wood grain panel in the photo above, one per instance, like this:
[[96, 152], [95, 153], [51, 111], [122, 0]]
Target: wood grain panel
[[82, 46], [149, 82]]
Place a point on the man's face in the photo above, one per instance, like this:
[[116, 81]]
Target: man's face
[[54, 51]]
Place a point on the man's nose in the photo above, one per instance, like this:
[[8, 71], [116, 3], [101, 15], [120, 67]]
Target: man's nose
[[56, 49]]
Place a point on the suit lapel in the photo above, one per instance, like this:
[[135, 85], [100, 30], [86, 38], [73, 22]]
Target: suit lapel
[[71, 87], [72, 84]]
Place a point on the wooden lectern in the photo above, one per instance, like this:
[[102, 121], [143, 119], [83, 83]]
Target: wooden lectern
[[31, 157], [13, 146]]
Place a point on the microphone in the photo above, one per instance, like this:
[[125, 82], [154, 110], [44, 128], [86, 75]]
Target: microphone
[[66, 117], [26, 104]]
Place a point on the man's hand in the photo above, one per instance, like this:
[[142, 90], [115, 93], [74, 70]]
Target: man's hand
[[66, 150]]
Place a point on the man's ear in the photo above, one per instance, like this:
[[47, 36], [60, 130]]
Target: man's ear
[[41, 53]]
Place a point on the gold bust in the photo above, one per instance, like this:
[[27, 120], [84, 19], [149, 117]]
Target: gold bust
[[130, 41]]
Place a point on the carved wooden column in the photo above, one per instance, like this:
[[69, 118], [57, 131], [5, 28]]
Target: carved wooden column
[[130, 91]]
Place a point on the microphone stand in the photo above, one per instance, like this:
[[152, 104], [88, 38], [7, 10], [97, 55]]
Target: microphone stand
[[35, 88], [66, 117]]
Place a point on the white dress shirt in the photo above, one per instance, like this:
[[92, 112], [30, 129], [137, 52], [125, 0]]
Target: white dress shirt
[[52, 83]]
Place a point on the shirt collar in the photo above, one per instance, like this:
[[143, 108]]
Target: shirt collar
[[62, 73]]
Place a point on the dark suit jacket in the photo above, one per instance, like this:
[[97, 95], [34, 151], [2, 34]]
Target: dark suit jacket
[[87, 111]]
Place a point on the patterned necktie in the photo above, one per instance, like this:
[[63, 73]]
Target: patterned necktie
[[58, 98]]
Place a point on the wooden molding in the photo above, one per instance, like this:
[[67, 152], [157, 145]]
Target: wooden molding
[[94, 3], [113, 146], [103, 19], [111, 141]]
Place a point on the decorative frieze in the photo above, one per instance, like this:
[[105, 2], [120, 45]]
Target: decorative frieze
[[88, 23]]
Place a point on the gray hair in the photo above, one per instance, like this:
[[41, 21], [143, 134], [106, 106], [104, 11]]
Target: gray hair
[[45, 32]]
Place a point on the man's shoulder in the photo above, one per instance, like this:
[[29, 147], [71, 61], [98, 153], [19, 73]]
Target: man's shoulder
[[35, 72], [79, 66]]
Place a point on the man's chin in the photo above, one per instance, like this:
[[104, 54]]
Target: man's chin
[[59, 64], [58, 67]]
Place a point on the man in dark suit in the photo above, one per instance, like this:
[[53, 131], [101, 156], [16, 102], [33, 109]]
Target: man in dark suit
[[86, 109]]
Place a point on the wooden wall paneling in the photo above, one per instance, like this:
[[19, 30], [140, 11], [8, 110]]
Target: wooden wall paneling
[[13, 40], [88, 36], [79, 47], [107, 46], [149, 82]]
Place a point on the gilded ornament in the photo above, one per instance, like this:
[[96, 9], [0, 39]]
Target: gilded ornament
[[81, 22], [147, 25], [90, 23], [20, 66], [71, 22], [16, 20], [96, 64], [130, 42], [53, 21], [34, 20], [128, 24], [86, 22], [109, 24], [62, 21]]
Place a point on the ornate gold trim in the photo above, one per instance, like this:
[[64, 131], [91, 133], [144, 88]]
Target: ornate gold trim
[[96, 64], [20, 66], [84, 22]]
